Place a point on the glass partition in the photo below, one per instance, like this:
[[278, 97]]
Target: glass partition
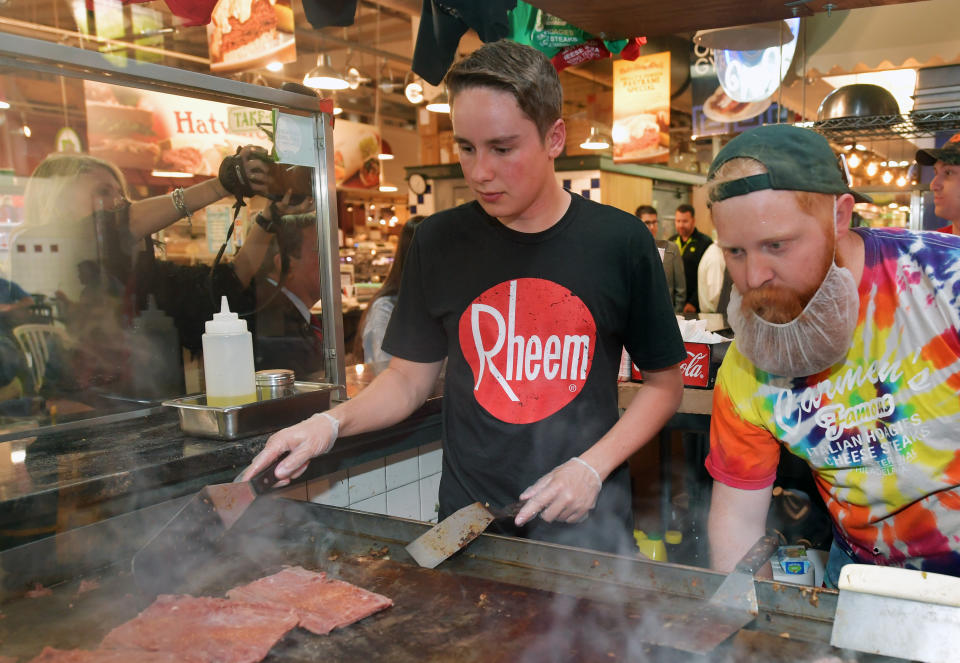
[[118, 239]]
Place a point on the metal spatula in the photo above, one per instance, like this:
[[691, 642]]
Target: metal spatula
[[189, 539], [904, 613], [732, 606], [455, 531]]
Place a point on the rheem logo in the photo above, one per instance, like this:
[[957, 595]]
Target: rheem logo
[[530, 344]]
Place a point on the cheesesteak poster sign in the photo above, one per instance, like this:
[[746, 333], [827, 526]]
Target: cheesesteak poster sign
[[144, 130], [641, 109], [248, 34]]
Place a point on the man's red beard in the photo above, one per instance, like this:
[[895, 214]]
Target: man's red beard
[[781, 304], [776, 304]]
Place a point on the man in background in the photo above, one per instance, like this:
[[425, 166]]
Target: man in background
[[691, 243], [713, 281], [670, 255], [946, 181]]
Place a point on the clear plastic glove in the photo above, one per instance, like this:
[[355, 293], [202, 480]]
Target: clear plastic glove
[[566, 494], [306, 440]]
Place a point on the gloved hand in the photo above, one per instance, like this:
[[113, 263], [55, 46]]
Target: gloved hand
[[246, 173], [566, 494], [306, 440]]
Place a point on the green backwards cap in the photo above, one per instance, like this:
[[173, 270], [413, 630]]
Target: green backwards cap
[[796, 160]]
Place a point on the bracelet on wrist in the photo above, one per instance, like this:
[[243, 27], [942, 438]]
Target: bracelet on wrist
[[178, 202]]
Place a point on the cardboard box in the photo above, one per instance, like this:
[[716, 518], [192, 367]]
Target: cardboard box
[[700, 367]]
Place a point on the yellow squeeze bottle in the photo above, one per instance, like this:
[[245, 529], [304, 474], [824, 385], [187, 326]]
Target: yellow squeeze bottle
[[228, 359]]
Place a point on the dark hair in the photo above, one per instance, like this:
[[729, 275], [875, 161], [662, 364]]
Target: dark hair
[[646, 209], [686, 209], [521, 70], [391, 285]]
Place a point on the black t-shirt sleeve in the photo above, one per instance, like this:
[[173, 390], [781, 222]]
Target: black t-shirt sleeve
[[414, 333], [653, 337]]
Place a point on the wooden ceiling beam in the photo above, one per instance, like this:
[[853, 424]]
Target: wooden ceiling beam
[[619, 19]]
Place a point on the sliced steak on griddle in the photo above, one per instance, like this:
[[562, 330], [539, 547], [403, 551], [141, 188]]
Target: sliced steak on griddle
[[321, 603], [51, 655], [205, 629]]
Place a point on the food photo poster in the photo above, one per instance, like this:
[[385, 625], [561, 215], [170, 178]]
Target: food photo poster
[[641, 109]]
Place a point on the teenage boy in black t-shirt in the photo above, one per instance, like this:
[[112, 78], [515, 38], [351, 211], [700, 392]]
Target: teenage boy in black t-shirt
[[529, 293]]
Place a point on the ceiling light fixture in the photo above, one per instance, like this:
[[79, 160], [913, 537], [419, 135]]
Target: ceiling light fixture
[[872, 169], [385, 152], [324, 77], [854, 160], [595, 140], [170, 173], [4, 105], [887, 177], [901, 181], [440, 103], [275, 66]]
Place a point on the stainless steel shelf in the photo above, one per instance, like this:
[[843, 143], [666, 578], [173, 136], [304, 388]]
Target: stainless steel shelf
[[915, 124]]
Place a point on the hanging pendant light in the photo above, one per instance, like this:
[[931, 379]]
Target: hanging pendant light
[[324, 77], [385, 152], [440, 103], [595, 140]]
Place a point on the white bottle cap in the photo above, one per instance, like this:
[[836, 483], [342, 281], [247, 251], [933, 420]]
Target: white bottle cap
[[226, 321]]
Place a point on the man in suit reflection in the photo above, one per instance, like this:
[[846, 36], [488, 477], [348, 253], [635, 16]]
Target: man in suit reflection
[[286, 333]]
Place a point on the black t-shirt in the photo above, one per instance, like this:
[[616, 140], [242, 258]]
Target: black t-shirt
[[532, 325], [692, 251]]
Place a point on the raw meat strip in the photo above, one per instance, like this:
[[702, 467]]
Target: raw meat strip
[[51, 655], [206, 629], [321, 603]]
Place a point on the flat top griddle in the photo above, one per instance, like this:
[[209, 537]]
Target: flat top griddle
[[500, 600]]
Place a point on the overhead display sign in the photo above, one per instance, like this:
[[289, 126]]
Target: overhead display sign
[[249, 34], [714, 112], [151, 130], [641, 109]]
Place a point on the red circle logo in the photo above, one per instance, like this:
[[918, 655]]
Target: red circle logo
[[530, 345]]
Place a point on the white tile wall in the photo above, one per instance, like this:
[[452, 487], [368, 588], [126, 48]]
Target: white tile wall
[[404, 502], [402, 468], [429, 491], [330, 490], [404, 484], [431, 459], [375, 504], [366, 480]]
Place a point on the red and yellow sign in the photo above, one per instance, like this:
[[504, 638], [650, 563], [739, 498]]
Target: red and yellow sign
[[641, 109]]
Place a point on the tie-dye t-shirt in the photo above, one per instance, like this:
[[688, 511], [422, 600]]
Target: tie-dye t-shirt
[[880, 430]]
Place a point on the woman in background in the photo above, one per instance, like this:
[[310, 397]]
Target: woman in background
[[373, 324]]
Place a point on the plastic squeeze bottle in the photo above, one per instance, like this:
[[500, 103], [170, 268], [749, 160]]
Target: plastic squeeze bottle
[[228, 359]]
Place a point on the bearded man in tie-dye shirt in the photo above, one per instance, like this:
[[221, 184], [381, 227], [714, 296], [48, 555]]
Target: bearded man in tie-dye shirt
[[846, 354]]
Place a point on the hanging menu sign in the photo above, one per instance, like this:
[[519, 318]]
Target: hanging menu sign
[[641, 109], [714, 113]]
